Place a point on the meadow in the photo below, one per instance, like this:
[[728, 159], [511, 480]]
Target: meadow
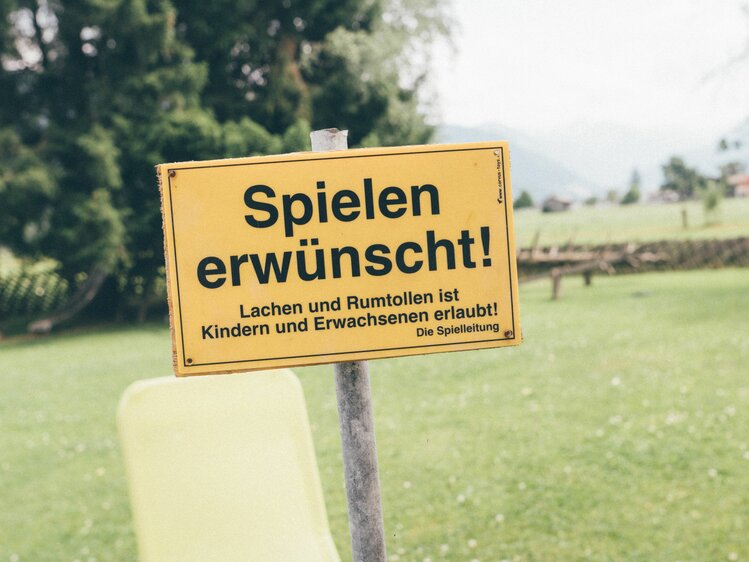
[[631, 223], [618, 431]]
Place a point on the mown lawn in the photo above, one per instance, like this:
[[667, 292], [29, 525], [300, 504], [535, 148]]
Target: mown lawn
[[618, 431], [630, 223]]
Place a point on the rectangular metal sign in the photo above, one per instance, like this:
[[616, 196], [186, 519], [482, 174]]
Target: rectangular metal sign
[[308, 258]]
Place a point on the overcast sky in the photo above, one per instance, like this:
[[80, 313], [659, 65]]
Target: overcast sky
[[576, 68]]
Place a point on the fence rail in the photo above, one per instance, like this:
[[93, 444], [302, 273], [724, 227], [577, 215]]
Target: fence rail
[[666, 255]]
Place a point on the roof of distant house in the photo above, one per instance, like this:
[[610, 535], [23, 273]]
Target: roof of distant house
[[558, 199], [738, 179]]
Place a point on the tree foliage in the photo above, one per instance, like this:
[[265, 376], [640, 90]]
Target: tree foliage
[[591, 201], [94, 93], [712, 196], [686, 182], [523, 201], [729, 170], [632, 195]]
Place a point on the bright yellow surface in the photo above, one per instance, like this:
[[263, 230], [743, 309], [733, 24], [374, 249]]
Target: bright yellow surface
[[206, 216], [223, 469]]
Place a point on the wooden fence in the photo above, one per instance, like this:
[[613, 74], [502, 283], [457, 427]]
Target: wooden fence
[[667, 255]]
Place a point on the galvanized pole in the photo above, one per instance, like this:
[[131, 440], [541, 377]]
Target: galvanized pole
[[357, 430]]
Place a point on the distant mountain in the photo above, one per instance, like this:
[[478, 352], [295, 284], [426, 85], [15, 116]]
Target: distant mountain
[[540, 175], [600, 156]]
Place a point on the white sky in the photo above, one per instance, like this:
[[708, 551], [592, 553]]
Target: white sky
[[546, 68]]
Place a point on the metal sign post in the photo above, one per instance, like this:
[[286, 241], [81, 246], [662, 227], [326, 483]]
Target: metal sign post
[[357, 430]]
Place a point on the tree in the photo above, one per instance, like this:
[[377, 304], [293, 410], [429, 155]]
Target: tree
[[524, 201], [712, 196], [686, 182], [633, 193], [93, 93], [728, 170]]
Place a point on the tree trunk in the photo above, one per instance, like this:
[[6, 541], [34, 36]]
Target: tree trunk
[[82, 298]]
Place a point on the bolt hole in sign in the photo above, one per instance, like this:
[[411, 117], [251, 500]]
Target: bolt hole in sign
[[306, 258]]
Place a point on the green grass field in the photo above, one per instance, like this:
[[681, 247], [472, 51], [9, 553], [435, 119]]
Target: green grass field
[[618, 431], [636, 223]]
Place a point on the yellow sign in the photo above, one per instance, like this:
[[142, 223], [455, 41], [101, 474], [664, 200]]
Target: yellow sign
[[324, 257]]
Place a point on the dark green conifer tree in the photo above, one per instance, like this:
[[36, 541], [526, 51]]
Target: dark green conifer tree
[[94, 93]]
